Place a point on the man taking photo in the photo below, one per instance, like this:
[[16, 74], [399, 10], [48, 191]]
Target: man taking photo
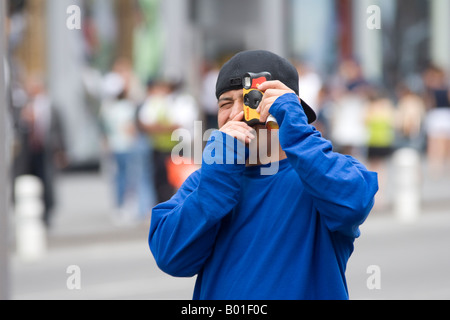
[[249, 236]]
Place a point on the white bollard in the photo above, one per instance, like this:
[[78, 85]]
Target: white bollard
[[31, 238], [407, 187]]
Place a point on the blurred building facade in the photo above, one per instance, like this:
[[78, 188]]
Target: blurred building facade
[[173, 38]]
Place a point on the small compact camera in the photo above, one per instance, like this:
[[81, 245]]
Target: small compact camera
[[253, 97]]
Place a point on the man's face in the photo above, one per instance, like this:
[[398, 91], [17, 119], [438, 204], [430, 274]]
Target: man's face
[[231, 103]]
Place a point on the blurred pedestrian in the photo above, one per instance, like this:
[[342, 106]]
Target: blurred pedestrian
[[184, 113], [350, 89], [380, 122], [133, 87], [142, 159], [183, 108], [310, 83], [409, 119], [348, 130], [118, 115], [156, 119], [351, 77], [142, 149], [42, 150], [438, 119]]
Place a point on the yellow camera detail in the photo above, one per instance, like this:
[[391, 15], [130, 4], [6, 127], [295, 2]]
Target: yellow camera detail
[[253, 97]]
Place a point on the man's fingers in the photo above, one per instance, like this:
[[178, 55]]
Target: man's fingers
[[237, 124], [272, 91], [275, 84], [276, 92], [238, 133], [244, 137], [239, 116], [243, 128], [239, 130], [265, 107]]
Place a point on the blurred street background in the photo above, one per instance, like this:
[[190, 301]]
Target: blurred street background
[[93, 90]]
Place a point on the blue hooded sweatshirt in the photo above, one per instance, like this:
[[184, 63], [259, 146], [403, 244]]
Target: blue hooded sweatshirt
[[249, 236]]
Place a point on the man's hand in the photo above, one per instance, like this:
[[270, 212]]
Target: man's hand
[[272, 91], [239, 129]]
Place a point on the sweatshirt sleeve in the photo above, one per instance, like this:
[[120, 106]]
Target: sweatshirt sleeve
[[183, 229], [343, 189]]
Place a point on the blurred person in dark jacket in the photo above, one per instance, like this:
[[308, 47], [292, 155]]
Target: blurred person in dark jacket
[[42, 149]]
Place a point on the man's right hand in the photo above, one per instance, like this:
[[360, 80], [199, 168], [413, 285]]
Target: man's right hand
[[239, 129]]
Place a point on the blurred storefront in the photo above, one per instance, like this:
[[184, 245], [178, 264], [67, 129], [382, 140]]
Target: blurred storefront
[[173, 38]]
